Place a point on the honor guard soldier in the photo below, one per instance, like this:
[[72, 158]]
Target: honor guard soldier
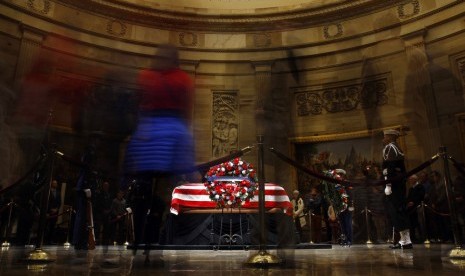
[[393, 169]]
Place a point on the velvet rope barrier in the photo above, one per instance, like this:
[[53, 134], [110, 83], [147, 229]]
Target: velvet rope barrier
[[353, 183], [58, 215], [458, 166], [204, 167], [26, 175]]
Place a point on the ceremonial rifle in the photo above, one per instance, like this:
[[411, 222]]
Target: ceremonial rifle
[[90, 221]]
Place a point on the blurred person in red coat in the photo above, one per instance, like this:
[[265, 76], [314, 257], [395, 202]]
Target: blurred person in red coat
[[161, 146]]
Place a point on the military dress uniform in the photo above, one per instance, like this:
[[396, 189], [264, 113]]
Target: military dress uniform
[[393, 166]]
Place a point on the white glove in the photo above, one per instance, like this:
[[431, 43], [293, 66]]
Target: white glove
[[385, 172], [388, 189], [351, 209]]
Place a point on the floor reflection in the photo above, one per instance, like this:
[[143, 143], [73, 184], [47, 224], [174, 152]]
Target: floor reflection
[[356, 260]]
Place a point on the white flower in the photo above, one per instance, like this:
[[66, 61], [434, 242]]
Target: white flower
[[229, 202], [223, 169], [244, 172], [240, 163], [217, 197], [231, 164]]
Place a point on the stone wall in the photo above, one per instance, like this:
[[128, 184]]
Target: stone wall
[[383, 65]]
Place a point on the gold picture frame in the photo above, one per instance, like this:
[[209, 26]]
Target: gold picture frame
[[337, 146]]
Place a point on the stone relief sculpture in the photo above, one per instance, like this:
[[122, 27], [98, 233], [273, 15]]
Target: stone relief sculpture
[[224, 123], [370, 94]]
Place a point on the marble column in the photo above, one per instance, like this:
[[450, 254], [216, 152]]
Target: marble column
[[419, 84], [263, 110], [190, 68], [31, 43]]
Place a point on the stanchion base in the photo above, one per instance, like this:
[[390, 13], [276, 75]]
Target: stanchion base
[[38, 256], [263, 258], [426, 241], [5, 244], [66, 244], [457, 253], [369, 242]]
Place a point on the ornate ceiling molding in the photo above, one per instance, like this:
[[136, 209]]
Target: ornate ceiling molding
[[172, 19]]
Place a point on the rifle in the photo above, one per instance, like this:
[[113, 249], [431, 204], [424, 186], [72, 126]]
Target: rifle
[[90, 221]]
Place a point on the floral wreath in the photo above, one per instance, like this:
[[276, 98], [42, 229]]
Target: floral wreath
[[231, 184], [336, 194]]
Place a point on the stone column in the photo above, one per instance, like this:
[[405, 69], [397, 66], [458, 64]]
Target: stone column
[[263, 109], [419, 83], [190, 67], [31, 43]]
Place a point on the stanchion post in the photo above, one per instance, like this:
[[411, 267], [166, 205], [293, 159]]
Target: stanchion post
[[70, 212], [262, 257], [367, 222], [126, 243], [457, 252], [310, 226], [393, 238], [38, 254], [423, 214], [6, 244]]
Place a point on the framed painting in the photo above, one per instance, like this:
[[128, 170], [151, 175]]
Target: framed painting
[[358, 153]]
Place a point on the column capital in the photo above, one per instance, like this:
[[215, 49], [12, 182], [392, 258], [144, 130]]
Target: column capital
[[415, 39], [262, 66], [33, 34], [189, 66]]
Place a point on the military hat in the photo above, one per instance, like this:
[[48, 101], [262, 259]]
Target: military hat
[[391, 132]]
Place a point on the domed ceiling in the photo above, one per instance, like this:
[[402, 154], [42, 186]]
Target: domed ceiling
[[231, 15]]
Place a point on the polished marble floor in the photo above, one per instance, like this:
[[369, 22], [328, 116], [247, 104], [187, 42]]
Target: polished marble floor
[[356, 260]]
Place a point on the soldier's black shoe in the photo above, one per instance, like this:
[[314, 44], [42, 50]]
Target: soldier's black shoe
[[400, 246]]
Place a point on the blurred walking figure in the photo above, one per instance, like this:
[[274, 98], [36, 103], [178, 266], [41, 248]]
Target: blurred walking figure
[[162, 145], [118, 214], [315, 206]]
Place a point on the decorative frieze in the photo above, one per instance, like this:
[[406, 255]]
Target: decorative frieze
[[333, 31], [461, 71], [224, 122], [457, 64], [40, 6], [334, 99], [188, 39], [104, 105], [407, 10], [116, 28], [262, 40]]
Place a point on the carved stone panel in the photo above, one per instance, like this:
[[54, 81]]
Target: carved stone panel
[[341, 98], [224, 122], [457, 62], [262, 40], [97, 105]]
